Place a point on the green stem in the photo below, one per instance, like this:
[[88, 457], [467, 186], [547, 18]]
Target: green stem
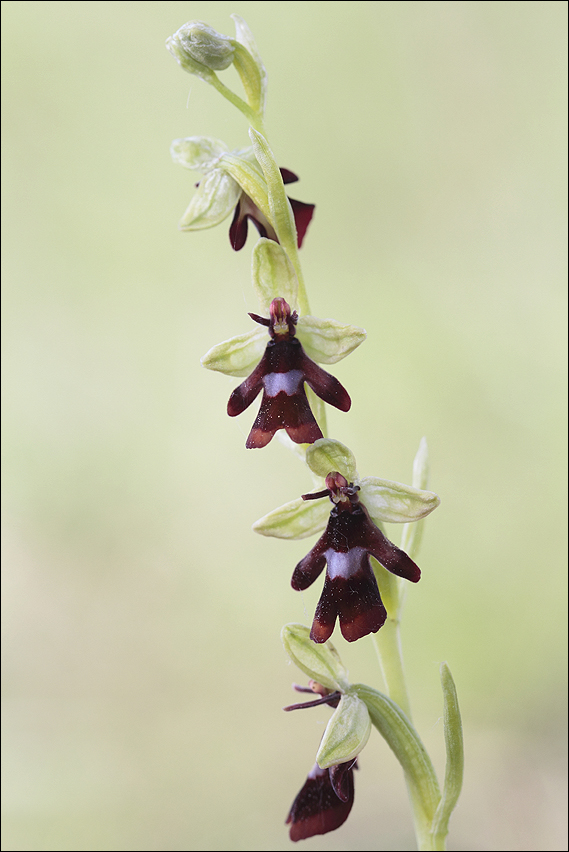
[[254, 119], [423, 798], [388, 647]]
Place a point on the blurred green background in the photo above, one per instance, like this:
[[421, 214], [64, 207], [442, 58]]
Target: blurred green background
[[143, 671]]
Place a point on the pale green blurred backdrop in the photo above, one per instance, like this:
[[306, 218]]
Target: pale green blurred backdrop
[[143, 671]]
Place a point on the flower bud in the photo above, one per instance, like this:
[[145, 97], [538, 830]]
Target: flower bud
[[195, 44]]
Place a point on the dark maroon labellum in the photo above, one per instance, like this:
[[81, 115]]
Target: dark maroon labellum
[[281, 374], [350, 589]]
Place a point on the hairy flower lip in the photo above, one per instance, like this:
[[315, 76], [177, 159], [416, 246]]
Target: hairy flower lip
[[324, 802], [350, 590], [281, 374]]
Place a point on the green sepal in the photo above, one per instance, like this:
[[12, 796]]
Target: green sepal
[[326, 455], [455, 755], [297, 519], [321, 662], [238, 356], [213, 201], [198, 152], [346, 734], [395, 503], [273, 275], [244, 36], [326, 340], [402, 738]]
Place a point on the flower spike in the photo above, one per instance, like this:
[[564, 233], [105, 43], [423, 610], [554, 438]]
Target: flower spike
[[281, 374], [350, 589]]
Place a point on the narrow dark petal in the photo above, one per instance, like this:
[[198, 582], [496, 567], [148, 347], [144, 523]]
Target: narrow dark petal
[[317, 809], [243, 396], [316, 495], [342, 779], [388, 555], [288, 176], [332, 699], [352, 595], [327, 387], [261, 320], [238, 229], [247, 209], [302, 213], [309, 569]]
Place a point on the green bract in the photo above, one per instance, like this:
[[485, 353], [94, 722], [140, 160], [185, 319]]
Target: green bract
[[320, 662], [280, 211], [244, 36], [346, 734]]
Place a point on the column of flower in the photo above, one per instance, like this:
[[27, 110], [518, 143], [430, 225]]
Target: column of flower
[[365, 573]]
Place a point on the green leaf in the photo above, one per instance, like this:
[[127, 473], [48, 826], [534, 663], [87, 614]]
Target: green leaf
[[455, 755], [237, 356], [394, 503], [322, 662], [346, 734], [328, 341], [404, 741], [213, 201], [273, 275], [297, 519], [326, 455]]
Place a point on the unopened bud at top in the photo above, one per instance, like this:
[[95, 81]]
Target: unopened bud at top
[[196, 43]]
